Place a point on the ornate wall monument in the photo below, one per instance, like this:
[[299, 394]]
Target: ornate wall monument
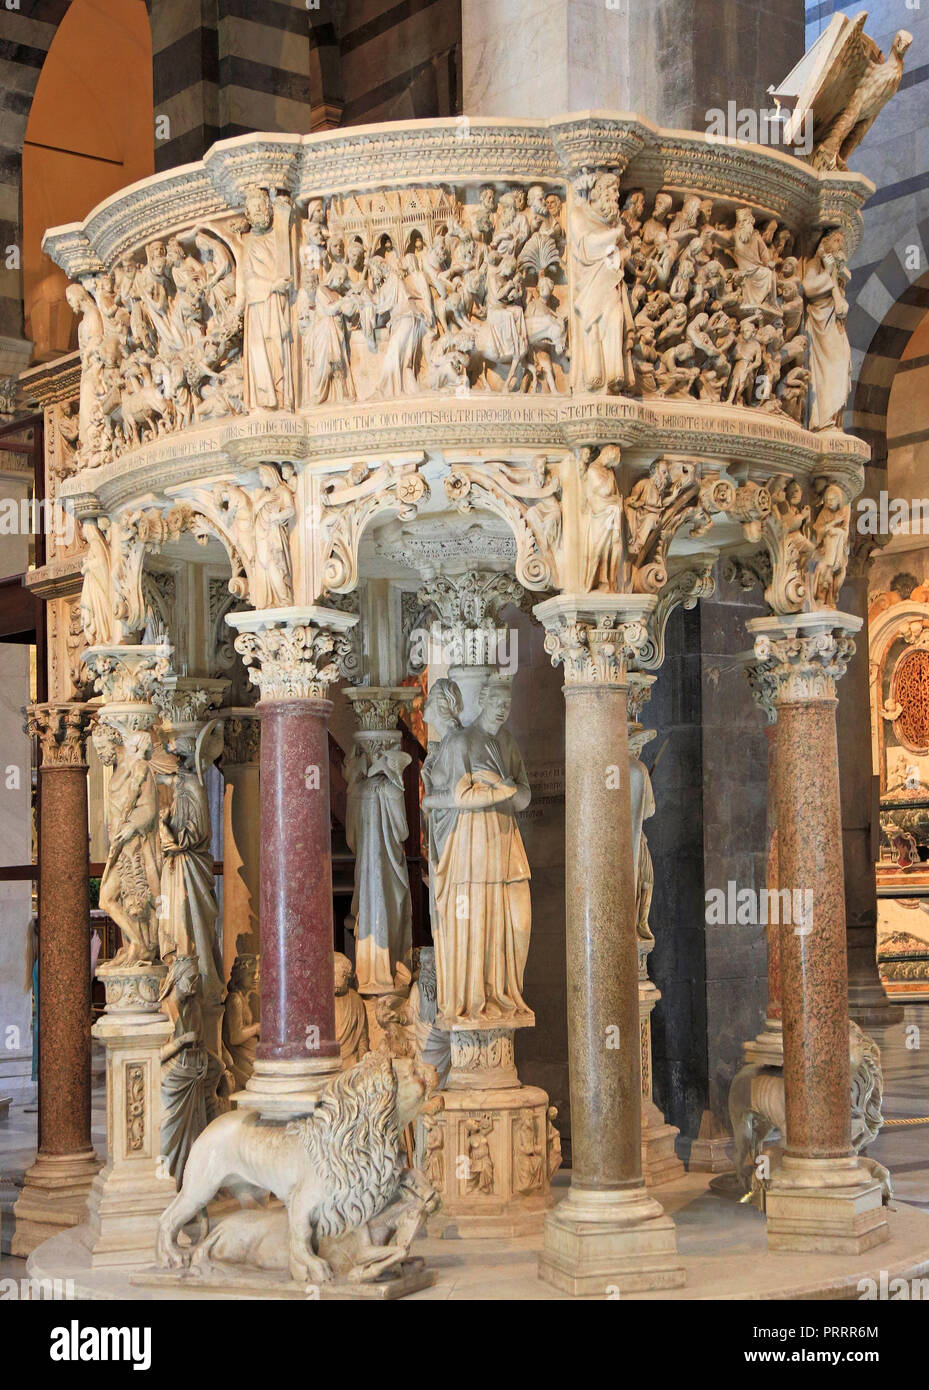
[[616, 345]]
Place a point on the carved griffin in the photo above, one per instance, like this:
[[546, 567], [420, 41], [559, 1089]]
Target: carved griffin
[[351, 1206]]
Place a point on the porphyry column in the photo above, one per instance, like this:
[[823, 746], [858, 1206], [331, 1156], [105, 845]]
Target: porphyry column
[[822, 1198], [608, 1232], [54, 1195], [294, 656]]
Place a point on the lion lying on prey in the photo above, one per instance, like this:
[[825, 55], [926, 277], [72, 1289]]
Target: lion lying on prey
[[352, 1208]]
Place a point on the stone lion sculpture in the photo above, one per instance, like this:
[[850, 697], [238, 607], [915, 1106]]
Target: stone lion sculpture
[[756, 1109], [351, 1207]]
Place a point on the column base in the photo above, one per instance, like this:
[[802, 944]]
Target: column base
[[767, 1049], [824, 1205], [53, 1199], [600, 1242], [660, 1162], [282, 1090], [711, 1151]]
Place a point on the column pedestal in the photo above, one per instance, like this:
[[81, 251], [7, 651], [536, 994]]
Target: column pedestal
[[497, 1152], [130, 1193], [54, 1195], [608, 1233], [821, 1198], [660, 1163]]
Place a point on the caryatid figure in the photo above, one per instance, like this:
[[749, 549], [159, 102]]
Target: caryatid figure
[[376, 830], [131, 880], [484, 915], [265, 289]]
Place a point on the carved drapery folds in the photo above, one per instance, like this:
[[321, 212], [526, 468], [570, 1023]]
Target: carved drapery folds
[[253, 521]]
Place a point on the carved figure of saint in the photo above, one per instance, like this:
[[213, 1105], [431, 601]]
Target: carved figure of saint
[[826, 312], [376, 830], [480, 1159], [271, 581], [240, 1031], [96, 608], [327, 371], [351, 1019], [89, 342], [480, 867], [642, 801], [528, 1158], [830, 530], [644, 506], [190, 1073], [603, 510], [265, 287], [601, 300], [395, 305], [433, 1161], [753, 257], [131, 880], [188, 921]]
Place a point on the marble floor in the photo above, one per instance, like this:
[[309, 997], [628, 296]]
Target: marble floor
[[475, 1270]]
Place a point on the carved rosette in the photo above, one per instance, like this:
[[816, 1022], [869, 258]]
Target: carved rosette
[[62, 733], [801, 661], [293, 660]]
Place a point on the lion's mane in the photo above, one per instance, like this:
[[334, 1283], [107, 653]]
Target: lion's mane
[[353, 1142], [867, 1087]]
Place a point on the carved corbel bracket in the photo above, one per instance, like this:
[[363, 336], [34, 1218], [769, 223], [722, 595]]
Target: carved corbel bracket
[[528, 498], [345, 503], [693, 580]]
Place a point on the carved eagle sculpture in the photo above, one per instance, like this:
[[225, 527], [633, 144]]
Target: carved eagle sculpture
[[845, 110]]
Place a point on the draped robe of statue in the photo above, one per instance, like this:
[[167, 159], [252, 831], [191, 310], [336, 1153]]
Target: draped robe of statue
[[266, 266], [190, 1073], [642, 800], [187, 926], [131, 880], [376, 830], [601, 302], [830, 352], [482, 879]]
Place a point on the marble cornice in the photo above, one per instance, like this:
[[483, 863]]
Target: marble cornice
[[466, 149], [760, 445]]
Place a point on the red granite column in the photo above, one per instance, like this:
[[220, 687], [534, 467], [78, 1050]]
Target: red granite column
[[822, 1198], [608, 1231], [56, 1186], [293, 661], [297, 1003]]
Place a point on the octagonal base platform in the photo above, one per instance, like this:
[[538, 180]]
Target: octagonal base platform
[[721, 1244]]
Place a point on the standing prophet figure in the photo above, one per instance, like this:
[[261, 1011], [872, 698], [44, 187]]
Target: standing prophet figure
[[264, 295], [826, 312], [601, 300], [187, 924], [481, 870], [131, 879], [376, 830]]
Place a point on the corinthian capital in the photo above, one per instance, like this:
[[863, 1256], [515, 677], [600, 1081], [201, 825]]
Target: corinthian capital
[[800, 658], [130, 674], [62, 733], [294, 653], [595, 635]]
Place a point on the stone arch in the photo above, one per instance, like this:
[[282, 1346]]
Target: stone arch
[[886, 312]]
